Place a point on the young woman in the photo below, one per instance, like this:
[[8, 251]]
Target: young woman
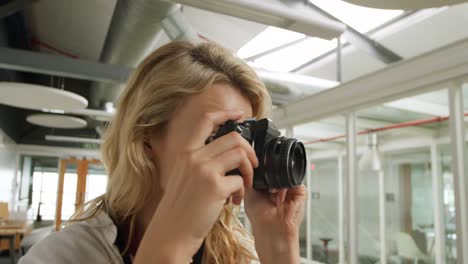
[[168, 199]]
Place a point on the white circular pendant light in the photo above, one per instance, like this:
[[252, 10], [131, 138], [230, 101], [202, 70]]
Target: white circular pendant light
[[56, 121], [405, 4], [38, 97]]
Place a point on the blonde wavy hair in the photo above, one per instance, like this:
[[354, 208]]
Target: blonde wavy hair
[[160, 83]]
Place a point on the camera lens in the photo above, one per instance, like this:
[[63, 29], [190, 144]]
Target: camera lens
[[297, 163], [285, 162]]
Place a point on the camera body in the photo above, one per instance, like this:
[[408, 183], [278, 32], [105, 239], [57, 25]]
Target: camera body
[[282, 161]]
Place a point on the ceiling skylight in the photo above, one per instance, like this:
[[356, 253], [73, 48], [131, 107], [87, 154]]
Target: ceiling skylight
[[270, 38], [289, 58], [360, 18]]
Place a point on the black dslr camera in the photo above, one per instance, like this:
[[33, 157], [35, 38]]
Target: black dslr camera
[[282, 161]]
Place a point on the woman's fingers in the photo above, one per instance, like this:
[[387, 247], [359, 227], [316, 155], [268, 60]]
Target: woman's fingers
[[228, 142], [233, 185], [238, 196], [299, 192], [281, 196], [235, 159], [206, 123]]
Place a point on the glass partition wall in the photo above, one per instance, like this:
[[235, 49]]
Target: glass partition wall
[[320, 232], [387, 182], [396, 190]]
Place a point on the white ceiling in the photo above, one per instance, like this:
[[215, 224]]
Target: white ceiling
[[76, 27], [80, 28], [232, 32]]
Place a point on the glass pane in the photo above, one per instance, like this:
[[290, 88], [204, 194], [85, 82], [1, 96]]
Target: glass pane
[[96, 181], [324, 140], [445, 157], [44, 194], [395, 177], [69, 195]]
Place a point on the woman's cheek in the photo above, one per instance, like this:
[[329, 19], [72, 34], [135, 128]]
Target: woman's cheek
[[163, 182]]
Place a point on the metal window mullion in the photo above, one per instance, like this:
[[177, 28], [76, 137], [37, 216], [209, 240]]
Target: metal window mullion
[[459, 168], [437, 193], [382, 216], [341, 212], [352, 188], [309, 255]]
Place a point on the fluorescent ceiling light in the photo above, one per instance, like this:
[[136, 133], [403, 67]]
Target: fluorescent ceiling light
[[73, 139], [293, 16]]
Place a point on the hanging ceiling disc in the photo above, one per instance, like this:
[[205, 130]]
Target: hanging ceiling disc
[[38, 97], [56, 121], [405, 4]]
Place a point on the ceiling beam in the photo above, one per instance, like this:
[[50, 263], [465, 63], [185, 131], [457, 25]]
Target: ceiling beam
[[61, 152], [362, 41], [275, 49], [290, 15], [37, 62], [423, 73], [43, 63], [370, 46], [409, 17]]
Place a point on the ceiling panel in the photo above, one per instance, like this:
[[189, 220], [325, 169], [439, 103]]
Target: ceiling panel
[[75, 27], [229, 31]]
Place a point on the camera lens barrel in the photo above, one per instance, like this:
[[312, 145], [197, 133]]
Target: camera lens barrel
[[285, 162]]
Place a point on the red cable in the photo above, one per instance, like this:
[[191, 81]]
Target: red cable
[[385, 128], [39, 43]]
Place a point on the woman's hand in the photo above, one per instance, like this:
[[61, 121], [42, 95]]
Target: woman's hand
[[196, 190], [276, 218]]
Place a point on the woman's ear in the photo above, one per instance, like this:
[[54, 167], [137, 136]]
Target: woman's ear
[[147, 144], [148, 147], [151, 139]]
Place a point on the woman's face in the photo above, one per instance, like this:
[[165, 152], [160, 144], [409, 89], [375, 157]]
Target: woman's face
[[168, 143]]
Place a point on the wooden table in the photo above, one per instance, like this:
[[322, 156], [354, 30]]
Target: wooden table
[[12, 230]]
